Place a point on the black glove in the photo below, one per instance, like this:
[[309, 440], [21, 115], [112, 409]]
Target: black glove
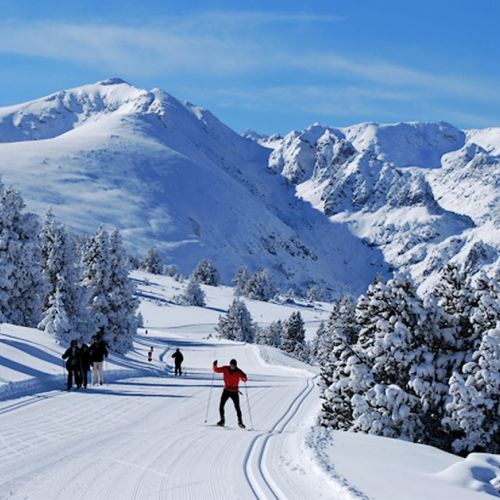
[[215, 363]]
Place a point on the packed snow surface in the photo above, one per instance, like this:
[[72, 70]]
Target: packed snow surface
[[142, 435]]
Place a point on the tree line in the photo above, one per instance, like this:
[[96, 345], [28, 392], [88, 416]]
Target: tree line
[[71, 286], [425, 369]]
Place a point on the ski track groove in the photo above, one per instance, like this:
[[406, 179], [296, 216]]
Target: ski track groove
[[260, 465]]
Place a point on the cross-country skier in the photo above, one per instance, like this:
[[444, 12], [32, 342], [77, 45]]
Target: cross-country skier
[[178, 359], [232, 377], [73, 365]]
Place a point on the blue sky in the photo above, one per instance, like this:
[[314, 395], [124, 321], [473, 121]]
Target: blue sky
[[270, 66]]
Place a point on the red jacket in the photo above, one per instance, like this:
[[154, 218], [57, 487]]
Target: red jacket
[[231, 377]]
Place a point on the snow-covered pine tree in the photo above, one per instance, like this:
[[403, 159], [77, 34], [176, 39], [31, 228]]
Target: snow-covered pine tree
[[388, 405], [237, 324], [473, 412], [193, 294], [55, 321], [455, 299], [240, 280], [206, 273], [152, 262], [61, 267], [451, 341], [272, 334], [293, 338], [335, 347], [315, 293], [22, 284], [486, 302], [260, 286], [96, 278], [122, 321]]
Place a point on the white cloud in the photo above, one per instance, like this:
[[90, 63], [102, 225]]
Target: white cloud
[[222, 45]]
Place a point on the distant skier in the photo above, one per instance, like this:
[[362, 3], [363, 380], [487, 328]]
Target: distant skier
[[73, 365], [232, 377], [178, 359], [98, 352], [85, 364]]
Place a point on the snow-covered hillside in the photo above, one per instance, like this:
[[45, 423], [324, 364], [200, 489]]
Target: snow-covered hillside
[[424, 193], [170, 174], [349, 203], [142, 435]]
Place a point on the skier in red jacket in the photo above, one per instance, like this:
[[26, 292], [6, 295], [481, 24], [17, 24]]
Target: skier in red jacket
[[232, 377]]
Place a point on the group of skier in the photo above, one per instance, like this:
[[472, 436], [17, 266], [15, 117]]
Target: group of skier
[[79, 361]]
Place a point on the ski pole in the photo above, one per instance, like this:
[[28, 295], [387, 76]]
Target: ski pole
[[248, 403], [209, 396]]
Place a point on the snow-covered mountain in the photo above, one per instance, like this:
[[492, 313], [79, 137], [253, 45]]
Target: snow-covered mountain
[[170, 174], [424, 193]]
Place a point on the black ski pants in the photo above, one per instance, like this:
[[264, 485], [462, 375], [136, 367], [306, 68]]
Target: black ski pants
[[85, 378], [178, 369], [74, 373], [236, 400]]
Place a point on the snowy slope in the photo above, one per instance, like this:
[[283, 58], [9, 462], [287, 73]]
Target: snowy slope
[[170, 174], [423, 193], [143, 435]]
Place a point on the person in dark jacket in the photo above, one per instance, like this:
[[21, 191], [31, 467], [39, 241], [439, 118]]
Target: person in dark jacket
[[178, 359], [232, 376], [85, 363], [73, 365], [98, 352]]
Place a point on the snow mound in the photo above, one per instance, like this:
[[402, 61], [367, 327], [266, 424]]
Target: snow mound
[[478, 472]]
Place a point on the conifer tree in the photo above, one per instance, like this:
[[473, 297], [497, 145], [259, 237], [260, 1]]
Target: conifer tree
[[260, 286], [122, 320], [237, 324], [334, 350], [206, 273], [22, 284], [387, 403], [152, 262], [474, 406], [272, 334], [240, 280], [96, 278], [61, 267], [293, 340], [55, 321], [193, 294]]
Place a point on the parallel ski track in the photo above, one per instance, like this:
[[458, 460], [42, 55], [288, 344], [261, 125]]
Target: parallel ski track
[[30, 401], [261, 485]]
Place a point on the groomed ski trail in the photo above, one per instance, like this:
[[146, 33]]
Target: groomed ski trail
[[144, 437]]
